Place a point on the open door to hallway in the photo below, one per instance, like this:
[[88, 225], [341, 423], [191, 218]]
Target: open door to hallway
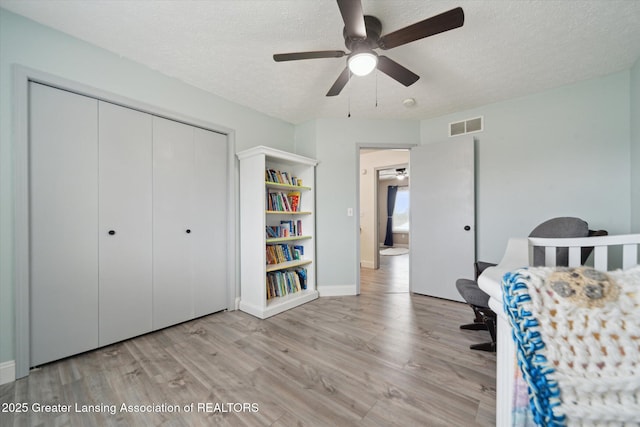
[[384, 257], [442, 216]]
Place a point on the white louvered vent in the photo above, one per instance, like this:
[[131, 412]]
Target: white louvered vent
[[466, 126]]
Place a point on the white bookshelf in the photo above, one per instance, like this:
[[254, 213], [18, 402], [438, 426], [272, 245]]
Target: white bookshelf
[[255, 216]]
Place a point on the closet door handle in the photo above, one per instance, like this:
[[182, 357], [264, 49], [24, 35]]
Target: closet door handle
[[188, 230], [467, 228], [112, 232]]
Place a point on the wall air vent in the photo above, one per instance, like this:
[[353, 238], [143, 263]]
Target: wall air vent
[[466, 126]]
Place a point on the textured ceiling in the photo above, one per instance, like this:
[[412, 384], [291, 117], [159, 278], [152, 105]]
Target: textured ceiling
[[506, 49]]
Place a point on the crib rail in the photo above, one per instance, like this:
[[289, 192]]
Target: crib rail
[[625, 247], [601, 250]]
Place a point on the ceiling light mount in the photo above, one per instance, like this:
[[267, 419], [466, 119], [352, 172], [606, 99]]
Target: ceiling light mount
[[373, 28]]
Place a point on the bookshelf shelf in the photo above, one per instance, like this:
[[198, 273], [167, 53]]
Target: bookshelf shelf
[[270, 184], [288, 213], [269, 289], [286, 239], [288, 264]]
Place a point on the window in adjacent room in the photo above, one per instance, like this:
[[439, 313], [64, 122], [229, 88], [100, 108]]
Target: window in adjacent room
[[401, 211]]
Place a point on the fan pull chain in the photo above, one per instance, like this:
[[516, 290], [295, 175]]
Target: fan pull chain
[[349, 96], [376, 87]]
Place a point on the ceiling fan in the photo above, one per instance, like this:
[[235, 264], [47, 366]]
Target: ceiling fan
[[362, 35]]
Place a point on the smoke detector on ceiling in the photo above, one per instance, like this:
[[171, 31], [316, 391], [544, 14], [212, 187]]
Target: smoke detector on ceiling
[[409, 102]]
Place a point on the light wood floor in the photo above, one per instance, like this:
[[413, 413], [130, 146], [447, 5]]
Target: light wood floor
[[383, 358]]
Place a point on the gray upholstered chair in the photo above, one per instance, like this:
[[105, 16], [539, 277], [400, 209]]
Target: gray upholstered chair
[[485, 318], [563, 227]]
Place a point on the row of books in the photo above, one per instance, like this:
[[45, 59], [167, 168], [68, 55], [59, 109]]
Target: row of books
[[281, 283], [285, 229], [283, 202], [272, 175], [277, 254]]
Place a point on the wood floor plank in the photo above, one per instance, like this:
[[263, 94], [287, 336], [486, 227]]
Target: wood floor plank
[[383, 358]]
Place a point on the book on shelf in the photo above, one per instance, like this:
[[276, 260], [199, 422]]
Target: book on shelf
[[279, 253], [282, 177], [287, 228], [283, 202], [282, 283], [294, 200]]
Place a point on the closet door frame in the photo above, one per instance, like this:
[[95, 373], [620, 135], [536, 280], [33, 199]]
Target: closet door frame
[[22, 77]]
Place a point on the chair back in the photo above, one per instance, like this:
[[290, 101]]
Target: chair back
[[561, 227]]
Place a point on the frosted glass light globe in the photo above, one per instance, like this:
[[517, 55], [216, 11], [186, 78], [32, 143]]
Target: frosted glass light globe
[[362, 63]]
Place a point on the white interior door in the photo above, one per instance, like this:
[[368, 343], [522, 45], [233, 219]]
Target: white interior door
[[189, 222], [442, 217], [209, 236], [125, 223], [173, 168], [63, 223]]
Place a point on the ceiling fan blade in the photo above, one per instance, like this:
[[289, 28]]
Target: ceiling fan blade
[[353, 18], [396, 71], [435, 25], [340, 83], [279, 57]]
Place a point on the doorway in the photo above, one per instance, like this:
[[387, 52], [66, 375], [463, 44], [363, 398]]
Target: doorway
[[384, 245], [443, 205]]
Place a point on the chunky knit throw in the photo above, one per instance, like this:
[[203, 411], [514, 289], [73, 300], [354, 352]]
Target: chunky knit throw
[[577, 335]]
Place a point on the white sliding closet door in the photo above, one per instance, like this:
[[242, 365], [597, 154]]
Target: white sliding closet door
[[189, 222], [209, 212], [173, 195], [63, 221], [125, 142]]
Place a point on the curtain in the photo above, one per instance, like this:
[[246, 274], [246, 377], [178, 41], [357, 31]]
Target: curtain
[[392, 190]]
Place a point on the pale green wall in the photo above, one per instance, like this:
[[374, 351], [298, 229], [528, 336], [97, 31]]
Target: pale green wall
[[305, 139], [635, 147], [336, 189], [563, 152], [32, 45]]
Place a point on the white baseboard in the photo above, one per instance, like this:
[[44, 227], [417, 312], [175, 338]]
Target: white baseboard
[[337, 290], [7, 372], [237, 303], [367, 264]]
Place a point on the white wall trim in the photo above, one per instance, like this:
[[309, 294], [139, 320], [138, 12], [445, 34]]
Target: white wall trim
[[337, 290], [368, 264], [21, 77], [7, 372]]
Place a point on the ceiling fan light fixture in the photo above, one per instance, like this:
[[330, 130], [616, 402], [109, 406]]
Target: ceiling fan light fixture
[[362, 63]]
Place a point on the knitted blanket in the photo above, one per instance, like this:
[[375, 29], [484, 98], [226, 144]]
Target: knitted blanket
[[577, 335]]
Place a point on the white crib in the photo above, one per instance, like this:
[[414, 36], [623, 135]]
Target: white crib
[[519, 253]]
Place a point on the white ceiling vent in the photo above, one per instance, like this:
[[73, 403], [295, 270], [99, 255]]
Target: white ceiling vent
[[466, 126]]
